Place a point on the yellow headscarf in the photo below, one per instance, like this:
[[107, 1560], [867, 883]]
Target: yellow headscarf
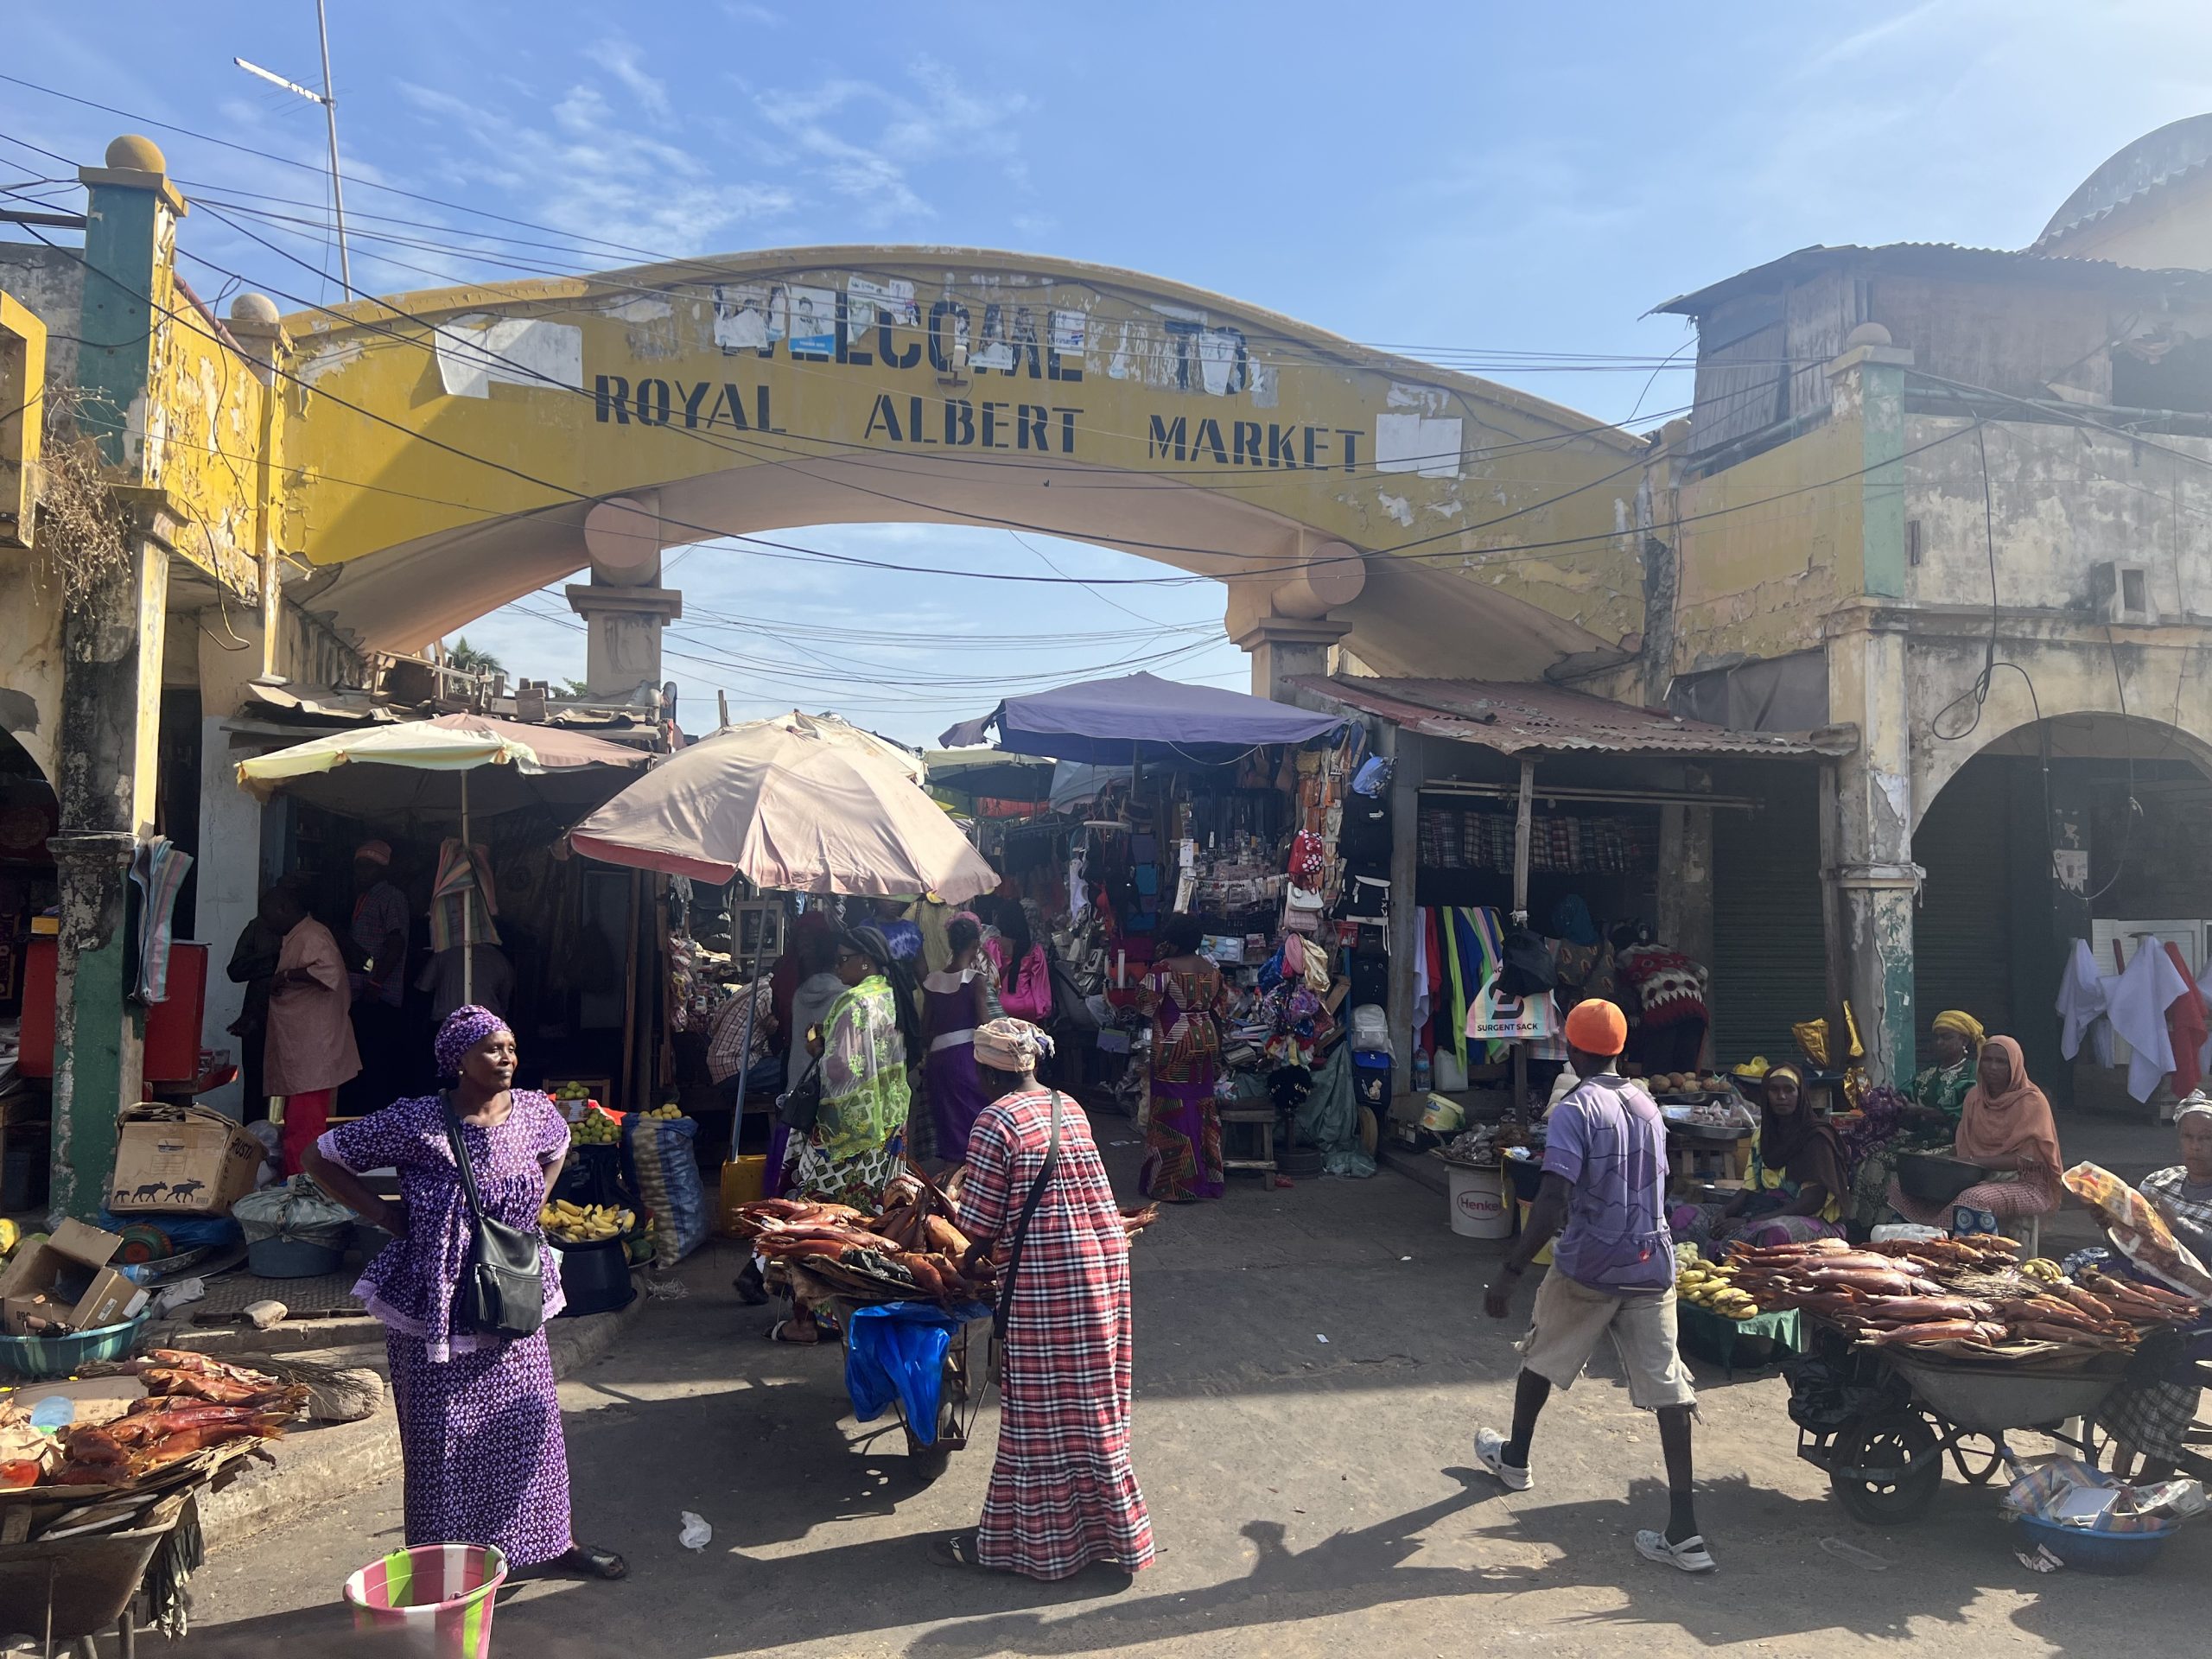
[[1965, 1024]]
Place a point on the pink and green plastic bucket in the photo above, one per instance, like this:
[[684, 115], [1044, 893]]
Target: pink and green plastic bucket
[[438, 1595]]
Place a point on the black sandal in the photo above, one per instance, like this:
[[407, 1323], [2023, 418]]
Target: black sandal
[[584, 1562], [958, 1549]]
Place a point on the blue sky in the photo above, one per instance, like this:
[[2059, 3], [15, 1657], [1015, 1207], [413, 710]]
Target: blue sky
[[1468, 181]]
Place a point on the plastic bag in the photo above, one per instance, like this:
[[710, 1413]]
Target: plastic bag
[[1329, 1119], [667, 1181], [295, 1212], [897, 1351], [2140, 1231]]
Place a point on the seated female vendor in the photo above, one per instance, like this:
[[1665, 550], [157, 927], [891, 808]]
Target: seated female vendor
[[2006, 1127], [1796, 1188]]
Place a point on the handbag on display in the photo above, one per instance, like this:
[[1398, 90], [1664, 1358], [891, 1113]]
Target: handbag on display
[[502, 1291]]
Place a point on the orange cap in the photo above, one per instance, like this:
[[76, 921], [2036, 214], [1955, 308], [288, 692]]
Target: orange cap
[[1596, 1027]]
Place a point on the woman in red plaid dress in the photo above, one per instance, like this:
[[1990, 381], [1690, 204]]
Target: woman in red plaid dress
[[1063, 1496]]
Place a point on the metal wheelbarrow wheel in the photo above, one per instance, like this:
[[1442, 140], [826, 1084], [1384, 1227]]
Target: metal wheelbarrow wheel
[[1886, 1468]]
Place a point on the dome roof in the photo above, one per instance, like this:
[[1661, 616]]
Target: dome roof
[[2156, 158]]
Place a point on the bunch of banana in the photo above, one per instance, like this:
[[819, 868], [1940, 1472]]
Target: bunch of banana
[[594, 1130], [671, 1109], [585, 1223], [1712, 1285], [2045, 1269]]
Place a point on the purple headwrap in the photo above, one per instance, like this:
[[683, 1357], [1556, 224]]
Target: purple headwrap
[[464, 1028]]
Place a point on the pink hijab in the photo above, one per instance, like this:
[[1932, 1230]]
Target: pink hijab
[[2012, 1128]]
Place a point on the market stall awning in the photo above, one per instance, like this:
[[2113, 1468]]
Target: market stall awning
[[1141, 716], [989, 774], [1532, 718], [789, 807], [439, 770]]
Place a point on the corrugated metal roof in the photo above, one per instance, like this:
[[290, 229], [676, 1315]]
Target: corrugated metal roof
[[1943, 259], [1516, 718]]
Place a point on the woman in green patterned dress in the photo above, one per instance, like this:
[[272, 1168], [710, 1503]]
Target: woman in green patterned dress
[[859, 1139], [1926, 1121]]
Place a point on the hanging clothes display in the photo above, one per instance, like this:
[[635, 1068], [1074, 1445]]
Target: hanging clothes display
[[2138, 999], [2185, 1027], [158, 870], [2082, 1002]]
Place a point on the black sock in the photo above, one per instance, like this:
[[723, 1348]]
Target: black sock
[[1516, 1452], [1682, 1517]]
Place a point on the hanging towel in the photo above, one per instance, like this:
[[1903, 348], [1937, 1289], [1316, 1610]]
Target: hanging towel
[[158, 870], [2138, 999], [2185, 1027], [2081, 998], [462, 901]]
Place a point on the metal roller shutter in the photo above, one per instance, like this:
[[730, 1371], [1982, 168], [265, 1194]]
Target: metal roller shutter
[[1768, 958], [1962, 934]]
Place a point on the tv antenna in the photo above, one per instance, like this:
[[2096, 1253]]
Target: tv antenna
[[328, 100]]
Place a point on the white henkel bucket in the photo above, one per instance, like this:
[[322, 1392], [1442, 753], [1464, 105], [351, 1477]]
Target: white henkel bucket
[[1478, 1202]]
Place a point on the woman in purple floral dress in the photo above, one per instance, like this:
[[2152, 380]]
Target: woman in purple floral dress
[[480, 1421]]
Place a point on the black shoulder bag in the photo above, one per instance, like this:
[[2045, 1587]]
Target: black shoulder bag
[[1022, 1228], [501, 1291], [798, 1107]]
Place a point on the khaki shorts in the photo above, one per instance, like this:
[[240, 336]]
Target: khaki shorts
[[1569, 1318]]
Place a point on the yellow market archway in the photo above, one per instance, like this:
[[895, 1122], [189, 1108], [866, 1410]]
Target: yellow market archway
[[452, 450]]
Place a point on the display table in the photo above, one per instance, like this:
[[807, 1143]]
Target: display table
[[1715, 1335]]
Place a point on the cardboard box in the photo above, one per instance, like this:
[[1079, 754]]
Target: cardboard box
[[182, 1160], [31, 1284]]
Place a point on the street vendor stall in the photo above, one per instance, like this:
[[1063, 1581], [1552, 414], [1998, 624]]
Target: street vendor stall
[[99, 1481], [472, 809], [793, 805], [1232, 814], [1927, 1348]]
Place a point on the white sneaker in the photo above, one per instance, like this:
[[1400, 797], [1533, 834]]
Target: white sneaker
[[1490, 1451], [1690, 1556]]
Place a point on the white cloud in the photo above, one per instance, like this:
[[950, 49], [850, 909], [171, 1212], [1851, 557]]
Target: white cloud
[[864, 141], [623, 61], [590, 172], [741, 12]]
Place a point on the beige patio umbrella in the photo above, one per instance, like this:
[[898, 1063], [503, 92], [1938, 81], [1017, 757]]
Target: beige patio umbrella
[[790, 807]]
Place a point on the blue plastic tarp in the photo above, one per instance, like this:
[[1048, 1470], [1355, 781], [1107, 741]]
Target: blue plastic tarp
[[1113, 722], [896, 1351]]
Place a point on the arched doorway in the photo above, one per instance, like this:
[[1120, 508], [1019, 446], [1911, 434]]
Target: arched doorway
[[2046, 830]]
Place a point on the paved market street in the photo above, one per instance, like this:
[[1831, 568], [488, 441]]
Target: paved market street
[[1309, 1495]]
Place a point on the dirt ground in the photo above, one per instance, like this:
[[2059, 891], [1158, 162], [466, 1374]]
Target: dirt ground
[[1311, 1366]]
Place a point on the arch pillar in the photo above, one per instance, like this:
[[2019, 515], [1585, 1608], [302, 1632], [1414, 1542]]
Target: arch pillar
[[623, 608], [1871, 879], [1284, 647]]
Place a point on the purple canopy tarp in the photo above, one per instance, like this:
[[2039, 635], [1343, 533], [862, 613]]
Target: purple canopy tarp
[[1113, 722]]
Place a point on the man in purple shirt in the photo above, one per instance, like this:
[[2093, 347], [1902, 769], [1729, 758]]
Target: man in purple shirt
[[1612, 1271]]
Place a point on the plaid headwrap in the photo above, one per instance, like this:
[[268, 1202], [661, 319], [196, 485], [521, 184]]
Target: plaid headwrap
[[464, 1028], [1010, 1045]]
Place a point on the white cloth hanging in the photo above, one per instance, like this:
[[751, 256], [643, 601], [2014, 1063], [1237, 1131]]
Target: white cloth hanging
[[2081, 999], [2204, 989], [2137, 1000], [1421, 992]]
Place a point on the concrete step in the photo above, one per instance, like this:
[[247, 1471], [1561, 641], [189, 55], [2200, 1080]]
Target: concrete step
[[318, 1464]]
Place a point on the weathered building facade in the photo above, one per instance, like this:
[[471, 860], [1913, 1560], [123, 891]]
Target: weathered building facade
[[1955, 498]]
